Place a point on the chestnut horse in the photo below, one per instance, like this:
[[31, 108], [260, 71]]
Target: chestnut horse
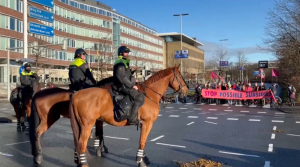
[[24, 109], [47, 107], [89, 105]]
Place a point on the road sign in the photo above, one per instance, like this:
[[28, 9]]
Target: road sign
[[41, 29], [41, 14], [185, 54], [224, 63], [263, 64], [177, 54], [242, 68], [48, 3]]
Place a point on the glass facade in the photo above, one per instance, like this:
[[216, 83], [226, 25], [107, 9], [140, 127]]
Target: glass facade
[[113, 34]]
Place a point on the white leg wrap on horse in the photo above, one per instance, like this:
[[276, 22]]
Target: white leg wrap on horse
[[97, 143]]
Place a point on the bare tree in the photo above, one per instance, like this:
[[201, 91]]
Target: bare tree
[[103, 59], [282, 38], [39, 52], [218, 56]]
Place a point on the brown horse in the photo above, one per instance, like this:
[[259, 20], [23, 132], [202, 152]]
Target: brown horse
[[98, 104], [47, 107], [22, 109]]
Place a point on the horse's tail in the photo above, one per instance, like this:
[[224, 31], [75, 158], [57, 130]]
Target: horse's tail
[[74, 125], [34, 122]]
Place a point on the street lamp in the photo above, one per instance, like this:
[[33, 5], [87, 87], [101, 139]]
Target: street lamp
[[223, 55], [181, 37]]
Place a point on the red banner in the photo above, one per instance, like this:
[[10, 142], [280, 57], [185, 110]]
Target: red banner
[[236, 95]]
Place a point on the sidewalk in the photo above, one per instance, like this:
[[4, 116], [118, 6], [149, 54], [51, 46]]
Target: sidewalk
[[290, 109]]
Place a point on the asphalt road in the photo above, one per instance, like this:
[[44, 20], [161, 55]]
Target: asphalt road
[[234, 136]]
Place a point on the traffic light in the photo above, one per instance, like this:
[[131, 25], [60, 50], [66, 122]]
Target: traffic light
[[47, 76], [148, 72]]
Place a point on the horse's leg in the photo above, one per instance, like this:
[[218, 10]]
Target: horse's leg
[[28, 113], [18, 112], [39, 127], [22, 119], [82, 144], [141, 158], [99, 140]]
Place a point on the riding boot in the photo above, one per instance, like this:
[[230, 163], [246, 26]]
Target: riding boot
[[133, 118]]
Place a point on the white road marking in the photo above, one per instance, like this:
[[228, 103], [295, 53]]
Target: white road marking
[[202, 113], [267, 164], [274, 128], [261, 112], [169, 107], [273, 136], [190, 123], [116, 138], [257, 116], [210, 122], [174, 116], [253, 106], [159, 137], [213, 104], [270, 149], [8, 155], [232, 153], [164, 144], [105, 124], [279, 113], [240, 115], [212, 118], [221, 114], [278, 117], [293, 135], [16, 143], [212, 109], [297, 122], [232, 119], [192, 117], [228, 110], [182, 108], [254, 119], [277, 121], [159, 115], [244, 111], [197, 108], [225, 105]]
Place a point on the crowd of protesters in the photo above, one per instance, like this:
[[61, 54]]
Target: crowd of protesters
[[246, 86]]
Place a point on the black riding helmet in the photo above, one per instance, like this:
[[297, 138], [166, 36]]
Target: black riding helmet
[[27, 65], [78, 52], [123, 49]]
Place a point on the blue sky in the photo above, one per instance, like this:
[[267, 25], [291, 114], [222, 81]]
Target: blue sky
[[240, 21]]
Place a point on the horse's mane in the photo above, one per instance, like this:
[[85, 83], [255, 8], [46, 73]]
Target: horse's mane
[[160, 74], [105, 82]]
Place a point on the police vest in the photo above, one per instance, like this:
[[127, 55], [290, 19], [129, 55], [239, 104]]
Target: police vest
[[121, 60], [78, 62], [27, 73]]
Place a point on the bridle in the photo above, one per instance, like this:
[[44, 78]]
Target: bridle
[[175, 92]]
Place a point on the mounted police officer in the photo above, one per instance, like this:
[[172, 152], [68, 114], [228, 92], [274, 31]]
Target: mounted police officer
[[29, 79], [125, 83], [79, 73]]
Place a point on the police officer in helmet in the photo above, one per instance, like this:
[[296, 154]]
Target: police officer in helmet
[[29, 79], [125, 83], [79, 73]]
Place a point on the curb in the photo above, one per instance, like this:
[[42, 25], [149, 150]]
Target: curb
[[10, 119]]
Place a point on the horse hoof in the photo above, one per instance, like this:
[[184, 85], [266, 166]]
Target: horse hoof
[[142, 164], [146, 160], [38, 159], [99, 153], [19, 128], [104, 149]]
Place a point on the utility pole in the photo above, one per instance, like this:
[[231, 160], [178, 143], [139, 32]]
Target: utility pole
[[222, 57], [181, 65]]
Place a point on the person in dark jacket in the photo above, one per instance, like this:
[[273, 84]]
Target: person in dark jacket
[[198, 92], [80, 74], [125, 83], [29, 79]]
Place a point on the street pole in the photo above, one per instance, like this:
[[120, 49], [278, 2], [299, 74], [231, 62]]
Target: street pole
[[25, 28], [8, 72], [222, 57], [181, 65]]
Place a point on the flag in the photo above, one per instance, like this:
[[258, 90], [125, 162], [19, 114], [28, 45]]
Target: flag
[[275, 73], [213, 75]]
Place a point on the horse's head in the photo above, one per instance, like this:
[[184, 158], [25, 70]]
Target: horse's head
[[177, 82]]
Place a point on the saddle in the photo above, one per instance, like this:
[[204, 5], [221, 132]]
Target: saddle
[[122, 105]]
